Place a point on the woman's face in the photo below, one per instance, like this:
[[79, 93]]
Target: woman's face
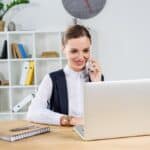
[[77, 51]]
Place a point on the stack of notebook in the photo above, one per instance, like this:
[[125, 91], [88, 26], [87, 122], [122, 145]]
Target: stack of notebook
[[16, 130]]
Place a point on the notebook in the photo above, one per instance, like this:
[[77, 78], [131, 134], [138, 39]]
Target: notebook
[[14, 130]]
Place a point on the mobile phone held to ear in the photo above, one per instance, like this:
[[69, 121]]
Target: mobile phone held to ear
[[89, 66], [90, 69]]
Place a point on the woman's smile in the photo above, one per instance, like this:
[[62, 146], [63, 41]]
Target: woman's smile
[[79, 62]]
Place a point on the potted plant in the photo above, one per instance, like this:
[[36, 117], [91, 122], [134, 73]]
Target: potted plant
[[4, 8]]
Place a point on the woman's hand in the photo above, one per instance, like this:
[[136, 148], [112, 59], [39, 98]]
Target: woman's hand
[[76, 121], [70, 121], [95, 70], [64, 120]]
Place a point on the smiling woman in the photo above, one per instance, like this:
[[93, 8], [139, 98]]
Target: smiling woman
[[76, 46], [60, 96]]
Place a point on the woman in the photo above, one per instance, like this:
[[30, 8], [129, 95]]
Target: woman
[[60, 95]]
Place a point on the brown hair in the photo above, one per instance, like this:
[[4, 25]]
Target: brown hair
[[75, 31]]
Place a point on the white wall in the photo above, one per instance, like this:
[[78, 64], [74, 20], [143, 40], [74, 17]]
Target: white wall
[[123, 30], [124, 34], [41, 14]]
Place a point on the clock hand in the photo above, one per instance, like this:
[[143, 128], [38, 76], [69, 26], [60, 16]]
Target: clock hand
[[88, 5]]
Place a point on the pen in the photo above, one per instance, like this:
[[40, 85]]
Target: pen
[[22, 128]]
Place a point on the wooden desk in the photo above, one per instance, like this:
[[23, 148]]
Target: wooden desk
[[64, 138]]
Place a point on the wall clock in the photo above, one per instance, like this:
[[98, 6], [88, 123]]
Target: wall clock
[[83, 9]]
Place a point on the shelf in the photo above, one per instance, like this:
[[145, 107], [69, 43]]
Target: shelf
[[20, 32], [23, 86], [51, 59], [14, 113], [4, 87], [18, 86], [12, 116], [32, 59], [4, 60], [34, 43], [3, 33], [22, 59]]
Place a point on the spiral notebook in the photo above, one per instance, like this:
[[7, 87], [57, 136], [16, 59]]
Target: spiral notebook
[[19, 129]]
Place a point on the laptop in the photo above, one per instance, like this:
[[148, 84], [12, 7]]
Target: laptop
[[114, 109]]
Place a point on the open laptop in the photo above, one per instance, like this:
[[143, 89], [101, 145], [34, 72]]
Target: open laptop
[[115, 109]]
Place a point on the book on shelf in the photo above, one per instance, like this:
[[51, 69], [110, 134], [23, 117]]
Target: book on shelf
[[4, 82], [30, 74], [22, 50], [49, 54], [4, 54], [27, 73], [18, 50], [24, 72], [14, 130], [15, 50]]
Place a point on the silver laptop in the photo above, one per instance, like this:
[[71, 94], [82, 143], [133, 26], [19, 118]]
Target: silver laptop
[[115, 109]]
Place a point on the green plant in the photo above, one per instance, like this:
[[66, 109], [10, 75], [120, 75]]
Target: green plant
[[5, 7]]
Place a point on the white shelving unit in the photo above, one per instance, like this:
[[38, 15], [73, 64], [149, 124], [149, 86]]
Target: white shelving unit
[[35, 43]]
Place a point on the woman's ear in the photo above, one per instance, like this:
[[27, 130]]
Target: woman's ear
[[63, 49]]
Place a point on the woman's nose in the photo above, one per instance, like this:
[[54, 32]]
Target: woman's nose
[[80, 55]]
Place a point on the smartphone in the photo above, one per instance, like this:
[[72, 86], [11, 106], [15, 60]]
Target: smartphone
[[89, 66]]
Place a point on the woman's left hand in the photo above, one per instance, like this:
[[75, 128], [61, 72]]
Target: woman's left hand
[[70, 120], [76, 121], [95, 70]]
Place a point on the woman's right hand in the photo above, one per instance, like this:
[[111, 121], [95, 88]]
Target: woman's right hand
[[64, 120]]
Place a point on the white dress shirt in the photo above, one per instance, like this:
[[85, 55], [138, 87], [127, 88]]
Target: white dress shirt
[[38, 111]]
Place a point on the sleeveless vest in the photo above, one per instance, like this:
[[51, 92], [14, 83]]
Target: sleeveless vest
[[59, 98]]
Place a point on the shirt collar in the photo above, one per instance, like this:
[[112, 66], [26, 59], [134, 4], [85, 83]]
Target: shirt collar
[[70, 72]]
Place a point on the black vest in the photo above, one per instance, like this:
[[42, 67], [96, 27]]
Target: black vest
[[59, 98]]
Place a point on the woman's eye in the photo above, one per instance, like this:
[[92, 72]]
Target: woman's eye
[[73, 51], [86, 50]]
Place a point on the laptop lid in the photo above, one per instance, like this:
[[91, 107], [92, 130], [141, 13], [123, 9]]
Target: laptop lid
[[116, 109]]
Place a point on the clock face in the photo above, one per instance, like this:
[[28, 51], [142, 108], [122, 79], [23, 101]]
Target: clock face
[[83, 9]]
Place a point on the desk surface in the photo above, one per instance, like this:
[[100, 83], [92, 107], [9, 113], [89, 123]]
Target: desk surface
[[64, 138]]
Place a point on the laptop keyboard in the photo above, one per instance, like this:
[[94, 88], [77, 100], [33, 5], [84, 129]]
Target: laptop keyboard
[[80, 129]]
